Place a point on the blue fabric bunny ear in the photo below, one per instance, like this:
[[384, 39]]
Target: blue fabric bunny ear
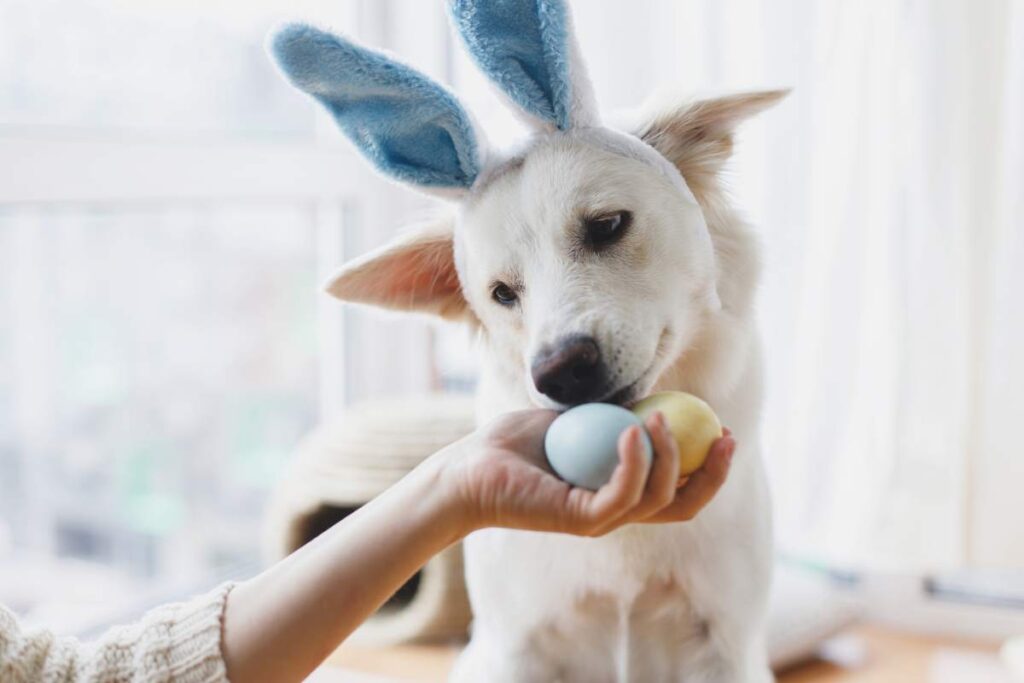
[[527, 48], [408, 126]]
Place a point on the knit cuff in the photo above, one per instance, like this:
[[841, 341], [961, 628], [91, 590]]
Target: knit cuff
[[194, 638], [179, 642]]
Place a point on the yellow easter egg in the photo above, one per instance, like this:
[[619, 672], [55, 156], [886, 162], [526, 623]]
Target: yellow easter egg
[[691, 421]]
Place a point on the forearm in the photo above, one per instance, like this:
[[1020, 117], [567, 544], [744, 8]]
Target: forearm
[[283, 623]]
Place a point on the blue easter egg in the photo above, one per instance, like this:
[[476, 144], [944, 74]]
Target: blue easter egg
[[582, 443]]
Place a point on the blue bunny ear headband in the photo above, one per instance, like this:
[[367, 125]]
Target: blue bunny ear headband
[[408, 126], [415, 131], [527, 48]]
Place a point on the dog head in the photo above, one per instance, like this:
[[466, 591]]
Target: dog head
[[584, 257]]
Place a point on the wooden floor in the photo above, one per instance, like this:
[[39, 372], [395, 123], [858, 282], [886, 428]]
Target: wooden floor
[[865, 655], [872, 655]]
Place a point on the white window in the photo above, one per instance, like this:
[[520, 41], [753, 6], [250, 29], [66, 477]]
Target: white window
[[168, 207]]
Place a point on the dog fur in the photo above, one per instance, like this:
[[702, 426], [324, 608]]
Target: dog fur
[[646, 603]]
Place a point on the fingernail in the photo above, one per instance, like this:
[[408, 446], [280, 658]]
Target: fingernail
[[729, 453]]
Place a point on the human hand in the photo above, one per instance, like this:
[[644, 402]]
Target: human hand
[[499, 476]]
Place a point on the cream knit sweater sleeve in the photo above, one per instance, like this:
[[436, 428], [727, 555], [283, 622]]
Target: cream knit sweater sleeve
[[179, 642]]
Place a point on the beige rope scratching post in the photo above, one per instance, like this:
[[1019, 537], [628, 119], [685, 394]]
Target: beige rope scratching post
[[345, 463]]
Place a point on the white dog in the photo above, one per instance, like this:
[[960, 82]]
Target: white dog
[[596, 265]]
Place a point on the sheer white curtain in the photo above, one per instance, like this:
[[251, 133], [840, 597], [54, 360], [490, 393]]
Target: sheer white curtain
[[888, 190], [879, 247], [889, 309], [998, 536]]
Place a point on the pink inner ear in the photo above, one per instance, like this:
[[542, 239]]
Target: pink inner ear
[[423, 275], [414, 273]]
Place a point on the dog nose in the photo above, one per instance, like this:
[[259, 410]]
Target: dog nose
[[571, 371]]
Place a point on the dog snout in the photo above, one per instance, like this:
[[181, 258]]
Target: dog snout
[[570, 371]]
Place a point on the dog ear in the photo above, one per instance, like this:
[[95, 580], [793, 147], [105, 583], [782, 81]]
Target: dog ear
[[408, 126], [416, 272], [698, 137], [528, 50]]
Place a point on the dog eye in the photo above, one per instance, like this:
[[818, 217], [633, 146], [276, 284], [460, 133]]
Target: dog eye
[[603, 231], [504, 294]]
